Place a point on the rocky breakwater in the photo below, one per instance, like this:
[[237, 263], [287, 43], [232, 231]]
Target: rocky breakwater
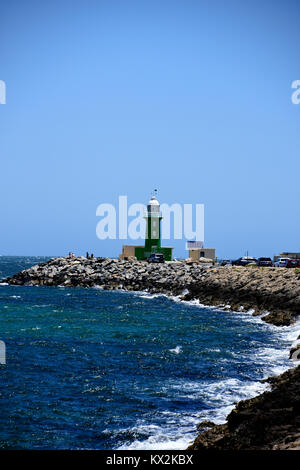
[[273, 293]]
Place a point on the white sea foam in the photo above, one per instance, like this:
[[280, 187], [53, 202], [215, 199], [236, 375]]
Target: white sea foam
[[159, 441], [168, 436], [149, 296], [176, 350], [274, 360], [179, 428]]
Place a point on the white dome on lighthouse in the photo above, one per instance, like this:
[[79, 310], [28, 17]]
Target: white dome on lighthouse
[[153, 204]]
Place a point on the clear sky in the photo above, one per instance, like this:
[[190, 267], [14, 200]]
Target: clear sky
[[117, 97]]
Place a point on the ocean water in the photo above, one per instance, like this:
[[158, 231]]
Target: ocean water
[[94, 369]]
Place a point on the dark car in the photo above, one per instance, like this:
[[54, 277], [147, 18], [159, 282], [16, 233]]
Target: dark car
[[264, 262], [226, 262], [156, 258], [244, 261], [293, 263]]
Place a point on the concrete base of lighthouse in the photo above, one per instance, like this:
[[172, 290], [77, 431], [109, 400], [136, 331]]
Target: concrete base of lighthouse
[[139, 252], [142, 253]]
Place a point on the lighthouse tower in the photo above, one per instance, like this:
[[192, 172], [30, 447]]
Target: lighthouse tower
[[153, 218], [152, 239]]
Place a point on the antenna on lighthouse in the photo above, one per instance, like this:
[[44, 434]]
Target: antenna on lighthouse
[[155, 193]]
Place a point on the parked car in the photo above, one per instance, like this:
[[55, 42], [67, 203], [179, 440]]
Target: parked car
[[244, 261], [226, 262], [293, 263], [281, 262], [156, 258], [264, 262]]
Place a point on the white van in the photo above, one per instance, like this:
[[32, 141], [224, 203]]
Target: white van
[[281, 262]]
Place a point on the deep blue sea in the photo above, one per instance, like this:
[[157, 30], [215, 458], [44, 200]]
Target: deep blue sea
[[94, 369]]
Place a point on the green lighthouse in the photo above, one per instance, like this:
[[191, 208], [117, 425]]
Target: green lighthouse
[[153, 218]]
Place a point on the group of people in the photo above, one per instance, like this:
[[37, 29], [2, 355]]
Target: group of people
[[88, 256]]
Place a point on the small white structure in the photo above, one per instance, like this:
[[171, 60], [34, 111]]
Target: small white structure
[[197, 251]]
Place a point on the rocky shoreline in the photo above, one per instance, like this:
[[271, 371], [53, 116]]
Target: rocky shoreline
[[269, 421]]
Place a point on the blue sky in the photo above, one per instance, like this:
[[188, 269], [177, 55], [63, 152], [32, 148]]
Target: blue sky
[[109, 98]]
